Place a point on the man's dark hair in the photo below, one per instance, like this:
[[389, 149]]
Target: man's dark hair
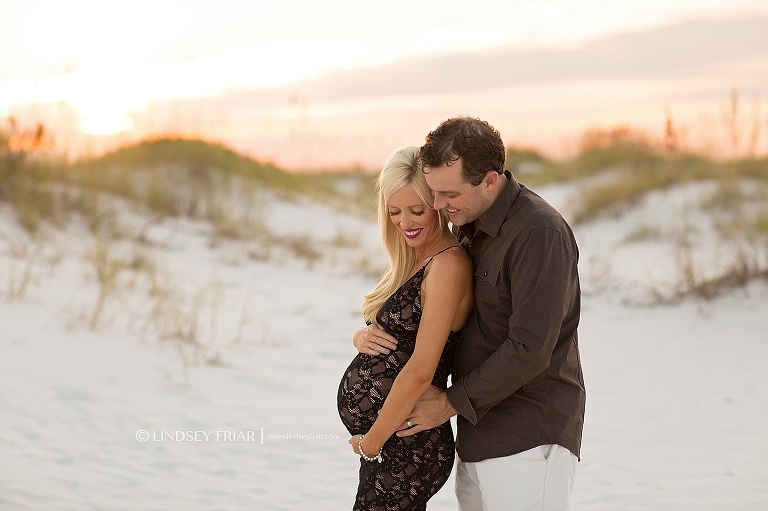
[[476, 142]]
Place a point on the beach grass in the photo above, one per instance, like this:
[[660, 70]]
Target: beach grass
[[612, 170]]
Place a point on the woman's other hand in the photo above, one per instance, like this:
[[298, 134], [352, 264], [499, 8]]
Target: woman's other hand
[[372, 340]]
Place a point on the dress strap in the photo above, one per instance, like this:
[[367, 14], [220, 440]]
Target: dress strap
[[443, 250]]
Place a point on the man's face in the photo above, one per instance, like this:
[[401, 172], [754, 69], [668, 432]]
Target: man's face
[[462, 202]]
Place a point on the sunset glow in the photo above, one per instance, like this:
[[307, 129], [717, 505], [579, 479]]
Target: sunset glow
[[340, 83]]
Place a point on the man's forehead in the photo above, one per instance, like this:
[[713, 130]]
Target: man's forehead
[[444, 177]]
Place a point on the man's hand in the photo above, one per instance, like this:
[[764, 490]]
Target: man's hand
[[432, 409], [372, 340]]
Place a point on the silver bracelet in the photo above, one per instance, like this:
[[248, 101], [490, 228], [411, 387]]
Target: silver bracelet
[[365, 456]]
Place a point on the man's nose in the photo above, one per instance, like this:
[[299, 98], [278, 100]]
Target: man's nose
[[439, 202]]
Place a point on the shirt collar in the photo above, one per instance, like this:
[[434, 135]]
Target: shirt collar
[[498, 212]]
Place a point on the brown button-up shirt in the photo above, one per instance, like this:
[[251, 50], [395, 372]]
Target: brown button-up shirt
[[517, 380]]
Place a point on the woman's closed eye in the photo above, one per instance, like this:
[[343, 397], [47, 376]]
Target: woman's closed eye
[[413, 212]]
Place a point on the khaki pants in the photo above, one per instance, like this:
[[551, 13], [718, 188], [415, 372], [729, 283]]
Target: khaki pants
[[539, 479]]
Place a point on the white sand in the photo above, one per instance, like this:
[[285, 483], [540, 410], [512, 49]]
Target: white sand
[[677, 401]]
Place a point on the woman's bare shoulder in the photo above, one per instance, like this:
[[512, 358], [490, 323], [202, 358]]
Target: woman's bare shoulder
[[454, 261]]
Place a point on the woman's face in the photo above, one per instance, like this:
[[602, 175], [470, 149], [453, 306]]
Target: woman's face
[[417, 222]]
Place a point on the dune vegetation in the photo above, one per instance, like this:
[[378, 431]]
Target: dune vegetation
[[613, 171], [178, 285]]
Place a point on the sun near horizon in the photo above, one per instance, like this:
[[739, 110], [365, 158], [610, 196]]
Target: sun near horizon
[[344, 84]]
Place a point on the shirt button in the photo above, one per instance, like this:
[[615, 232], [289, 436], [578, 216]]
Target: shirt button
[[485, 274]]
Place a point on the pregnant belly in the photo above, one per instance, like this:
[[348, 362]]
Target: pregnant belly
[[362, 392]]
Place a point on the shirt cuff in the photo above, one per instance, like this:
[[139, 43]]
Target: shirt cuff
[[459, 399]]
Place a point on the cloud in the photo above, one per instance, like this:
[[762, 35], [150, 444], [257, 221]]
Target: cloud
[[690, 49]]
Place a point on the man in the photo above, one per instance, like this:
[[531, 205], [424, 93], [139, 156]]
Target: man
[[517, 385]]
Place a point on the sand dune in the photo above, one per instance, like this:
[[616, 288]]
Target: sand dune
[[235, 408]]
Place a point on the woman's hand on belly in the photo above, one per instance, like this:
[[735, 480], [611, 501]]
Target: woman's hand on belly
[[372, 340]]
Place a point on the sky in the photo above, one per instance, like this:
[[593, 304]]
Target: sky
[[312, 85]]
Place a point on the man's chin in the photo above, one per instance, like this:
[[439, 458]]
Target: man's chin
[[457, 219]]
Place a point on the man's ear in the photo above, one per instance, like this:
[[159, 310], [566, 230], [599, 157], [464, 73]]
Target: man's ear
[[491, 178]]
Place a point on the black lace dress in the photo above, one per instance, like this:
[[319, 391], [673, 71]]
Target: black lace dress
[[414, 467]]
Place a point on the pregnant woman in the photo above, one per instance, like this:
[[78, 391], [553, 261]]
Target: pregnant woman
[[419, 303]]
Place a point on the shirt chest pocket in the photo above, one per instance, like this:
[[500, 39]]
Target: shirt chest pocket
[[486, 280]]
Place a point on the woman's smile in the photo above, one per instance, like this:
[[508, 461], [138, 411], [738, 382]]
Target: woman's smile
[[412, 233]]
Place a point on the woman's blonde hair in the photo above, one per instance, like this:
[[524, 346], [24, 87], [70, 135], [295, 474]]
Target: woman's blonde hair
[[404, 168]]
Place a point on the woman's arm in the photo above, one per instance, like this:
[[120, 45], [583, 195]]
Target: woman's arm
[[446, 303]]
